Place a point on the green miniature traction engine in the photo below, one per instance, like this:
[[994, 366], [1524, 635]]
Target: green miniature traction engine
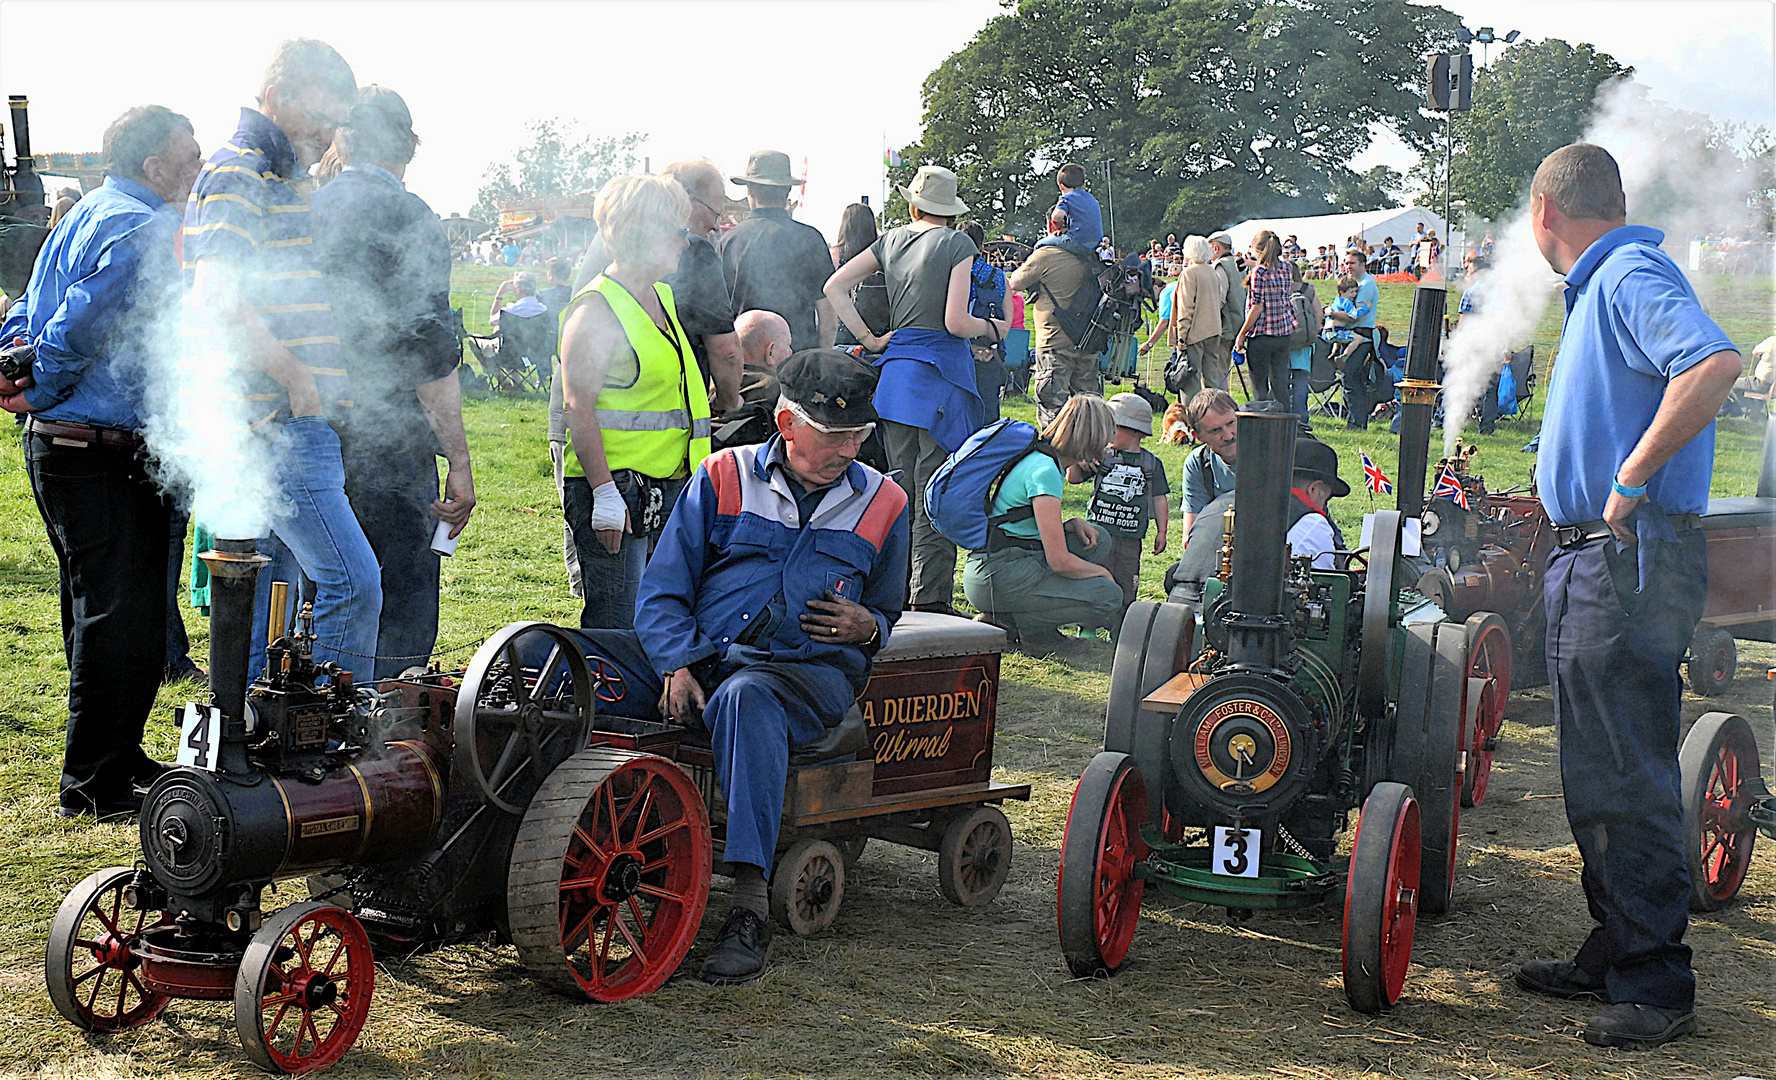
[[1230, 765]]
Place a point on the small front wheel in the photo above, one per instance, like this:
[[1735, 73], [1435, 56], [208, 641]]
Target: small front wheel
[[1099, 898], [303, 990], [974, 857], [89, 964], [1381, 898], [1714, 656], [1718, 760]]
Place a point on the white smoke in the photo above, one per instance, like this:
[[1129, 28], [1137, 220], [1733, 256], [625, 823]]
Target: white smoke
[[197, 427], [1677, 176]]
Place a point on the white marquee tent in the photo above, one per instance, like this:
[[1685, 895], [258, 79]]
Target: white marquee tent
[[1373, 225]]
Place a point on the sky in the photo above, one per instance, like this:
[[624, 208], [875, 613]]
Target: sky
[[800, 77]]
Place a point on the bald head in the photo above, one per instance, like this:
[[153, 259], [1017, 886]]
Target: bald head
[[764, 338]]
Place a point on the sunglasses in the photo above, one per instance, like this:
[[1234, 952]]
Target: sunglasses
[[856, 433]]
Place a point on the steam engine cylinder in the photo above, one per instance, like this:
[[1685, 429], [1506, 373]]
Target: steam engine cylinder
[[202, 833]]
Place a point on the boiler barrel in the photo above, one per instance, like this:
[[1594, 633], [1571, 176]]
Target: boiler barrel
[[202, 831]]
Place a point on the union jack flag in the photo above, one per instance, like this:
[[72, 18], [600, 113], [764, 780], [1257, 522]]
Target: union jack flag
[[1448, 487], [1374, 479]]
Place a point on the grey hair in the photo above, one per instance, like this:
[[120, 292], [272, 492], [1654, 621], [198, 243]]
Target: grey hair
[[1197, 250]]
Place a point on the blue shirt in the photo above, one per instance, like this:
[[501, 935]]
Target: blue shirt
[[1368, 299], [250, 209], [736, 554], [927, 381], [1632, 325], [103, 305], [1085, 222]]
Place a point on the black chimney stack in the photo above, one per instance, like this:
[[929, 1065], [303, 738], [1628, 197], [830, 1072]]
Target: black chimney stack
[[1258, 628], [1418, 396], [21, 129], [234, 573]]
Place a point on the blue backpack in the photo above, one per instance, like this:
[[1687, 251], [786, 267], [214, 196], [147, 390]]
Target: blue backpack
[[959, 498]]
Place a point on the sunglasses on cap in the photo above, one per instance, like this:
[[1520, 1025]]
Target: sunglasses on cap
[[856, 432]]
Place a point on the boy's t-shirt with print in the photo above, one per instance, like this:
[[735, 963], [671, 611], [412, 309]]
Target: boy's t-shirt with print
[[1127, 483]]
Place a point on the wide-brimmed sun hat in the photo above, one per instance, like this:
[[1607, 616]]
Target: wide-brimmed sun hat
[[933, 190], [767, 168]]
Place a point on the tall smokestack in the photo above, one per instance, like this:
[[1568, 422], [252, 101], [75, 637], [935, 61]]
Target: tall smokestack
[[21, 129], [234, 572], [1260, 557], [1418, 396]]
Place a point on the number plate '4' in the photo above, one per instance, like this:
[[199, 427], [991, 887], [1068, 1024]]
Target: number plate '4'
[[198, 737], [1235, 851]]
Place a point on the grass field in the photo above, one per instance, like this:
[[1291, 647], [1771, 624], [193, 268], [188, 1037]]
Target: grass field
[[903, 985]]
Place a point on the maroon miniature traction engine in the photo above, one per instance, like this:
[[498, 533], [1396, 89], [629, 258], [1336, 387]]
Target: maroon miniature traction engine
[[493, 800]]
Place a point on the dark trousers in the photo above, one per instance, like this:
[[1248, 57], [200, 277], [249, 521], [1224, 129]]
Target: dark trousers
[[1267, 359], [931, 572], [108, 524], [1612, 667], [391, 498], [178, 645], [1124, 564], [755, 714], [611, 580], [1364, 377]]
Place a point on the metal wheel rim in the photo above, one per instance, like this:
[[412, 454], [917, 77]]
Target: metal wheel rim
[[539, 736], [93, 926], [1116, 889], [299, 951], [1381, 909], [1726, 838], [1111, 787], [642, 811], [1489, 657]]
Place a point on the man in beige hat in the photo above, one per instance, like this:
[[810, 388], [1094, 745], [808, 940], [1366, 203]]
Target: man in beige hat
[[775, 263]]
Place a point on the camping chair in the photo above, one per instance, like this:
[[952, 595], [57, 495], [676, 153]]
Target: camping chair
[[517, 357], [1522, 365], [1323, 382]]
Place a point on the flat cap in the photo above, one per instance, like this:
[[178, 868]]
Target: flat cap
[[830, 385]]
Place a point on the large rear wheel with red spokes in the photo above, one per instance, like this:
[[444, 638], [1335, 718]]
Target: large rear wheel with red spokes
[[1489, 658], [1099, 900], [1719, 760], [1381, 898], [89, 966], [609, 874], [303, 990]]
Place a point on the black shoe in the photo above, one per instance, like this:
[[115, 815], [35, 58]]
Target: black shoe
[[742, 949], [145, 777], [1561, 979], [108, 810], [1633, 1026]]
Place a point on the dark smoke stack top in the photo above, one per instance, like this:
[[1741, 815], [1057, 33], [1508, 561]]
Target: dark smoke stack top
[[1418, 396], [234, 573], [1260, 525], [21, 128]]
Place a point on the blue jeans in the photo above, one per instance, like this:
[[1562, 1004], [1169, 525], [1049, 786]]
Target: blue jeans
[[610, 580], [317, 536]]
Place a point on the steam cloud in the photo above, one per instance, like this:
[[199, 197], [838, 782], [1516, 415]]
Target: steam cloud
[[197, 429], [1675, 177]]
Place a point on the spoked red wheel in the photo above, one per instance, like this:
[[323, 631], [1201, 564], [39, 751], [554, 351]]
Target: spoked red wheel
[[303, 990], [1489, 657], [1099, 901], [1718, 760], [1381, 898], [89, 966], [610, 874], [607, 680]]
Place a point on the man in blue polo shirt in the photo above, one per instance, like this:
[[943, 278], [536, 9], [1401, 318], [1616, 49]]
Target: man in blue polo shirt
[[101, 313], [256, 279], [1627, 453], [1365, 379]]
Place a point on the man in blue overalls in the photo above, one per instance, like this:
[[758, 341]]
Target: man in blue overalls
[[1627, 454], [780, 573]]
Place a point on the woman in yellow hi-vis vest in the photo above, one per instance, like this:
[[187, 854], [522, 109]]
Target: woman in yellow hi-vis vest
[[637, 413]]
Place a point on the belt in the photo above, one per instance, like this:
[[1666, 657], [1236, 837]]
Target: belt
[[63, 433], [1567, 536]]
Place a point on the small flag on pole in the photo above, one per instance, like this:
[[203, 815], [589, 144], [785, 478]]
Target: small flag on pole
[[891, 159], [1374, 479], [1448, 487]]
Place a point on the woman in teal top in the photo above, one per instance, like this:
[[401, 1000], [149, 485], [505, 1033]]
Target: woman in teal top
[[1040, 573]]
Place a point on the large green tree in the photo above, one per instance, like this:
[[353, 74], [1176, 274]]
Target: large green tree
[[558, 160], [1207, 111], [1535, 98]]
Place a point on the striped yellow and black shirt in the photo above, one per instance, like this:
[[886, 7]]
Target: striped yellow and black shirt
[[250, 207]]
